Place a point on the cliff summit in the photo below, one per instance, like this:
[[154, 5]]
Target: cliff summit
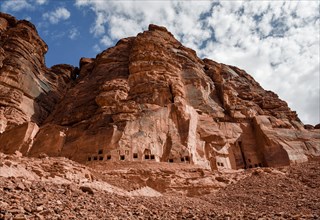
[[148, 98]]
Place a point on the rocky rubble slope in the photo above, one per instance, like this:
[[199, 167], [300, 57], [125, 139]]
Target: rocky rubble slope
[[57, 188]]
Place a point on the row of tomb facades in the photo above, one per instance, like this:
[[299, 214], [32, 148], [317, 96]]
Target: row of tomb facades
[[238, 157]]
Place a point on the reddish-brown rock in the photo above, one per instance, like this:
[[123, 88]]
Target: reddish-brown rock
[[29, 90], [150, 98], [308, 127], [57, 188]]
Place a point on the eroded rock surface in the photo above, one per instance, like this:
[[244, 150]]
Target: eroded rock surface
[[148, 98], [29, 90]]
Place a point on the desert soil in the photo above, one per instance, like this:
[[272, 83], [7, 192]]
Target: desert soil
[[57, 188]]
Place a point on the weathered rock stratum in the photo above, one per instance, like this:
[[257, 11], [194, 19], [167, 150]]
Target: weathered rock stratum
[[148, 98]]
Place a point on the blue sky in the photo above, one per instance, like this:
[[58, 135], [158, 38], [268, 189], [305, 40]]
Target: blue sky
[[277, 42], [62, 26]]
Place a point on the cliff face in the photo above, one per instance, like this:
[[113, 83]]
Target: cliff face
[[147, 98], [29, 90]]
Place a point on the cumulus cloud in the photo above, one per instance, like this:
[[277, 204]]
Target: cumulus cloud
[[275, 41], [96, 48], [41, 2], [60, 14], [278, 44], [14, 6], [28, 18], [106, 41], [19, 5], [73, 33]]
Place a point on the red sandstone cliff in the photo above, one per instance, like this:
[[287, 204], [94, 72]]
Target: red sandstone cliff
[[147, 98], [29, 90]]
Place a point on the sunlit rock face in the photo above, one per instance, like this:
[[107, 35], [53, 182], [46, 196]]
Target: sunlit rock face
[[29, 90], [148, 98]]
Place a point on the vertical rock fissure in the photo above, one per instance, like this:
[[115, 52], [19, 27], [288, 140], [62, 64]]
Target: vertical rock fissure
[[171, 93], [243, 155]]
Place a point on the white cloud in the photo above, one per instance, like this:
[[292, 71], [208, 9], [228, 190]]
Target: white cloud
[[73, 33], [28, 18], [106, 41], [41, 2], [275, 41], [15, 6], [98, 28], [281, 50], [57, 15], [57, 35], [96, 48], [19, 5]]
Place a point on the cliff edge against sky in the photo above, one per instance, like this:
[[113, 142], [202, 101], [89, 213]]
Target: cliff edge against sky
[[147, 98]]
